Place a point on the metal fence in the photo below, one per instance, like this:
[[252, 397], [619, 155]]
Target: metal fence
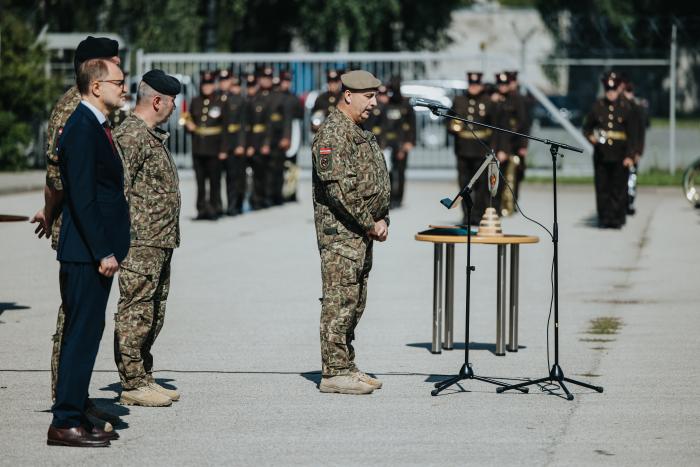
[[443, 73]]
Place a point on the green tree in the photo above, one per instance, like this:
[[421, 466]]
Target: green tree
[[25, 91]]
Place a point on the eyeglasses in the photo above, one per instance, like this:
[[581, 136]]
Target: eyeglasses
[[116, 82]]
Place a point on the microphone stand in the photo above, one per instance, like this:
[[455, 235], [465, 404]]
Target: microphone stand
[[466, 371], [556, 374]]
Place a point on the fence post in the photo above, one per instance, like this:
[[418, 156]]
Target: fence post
[[672, 107]]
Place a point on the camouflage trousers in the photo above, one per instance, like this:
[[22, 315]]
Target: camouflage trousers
[[144, 282], [56, 349], [345, 267]]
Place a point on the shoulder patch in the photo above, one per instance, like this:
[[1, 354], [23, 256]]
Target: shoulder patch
[[324, 159]]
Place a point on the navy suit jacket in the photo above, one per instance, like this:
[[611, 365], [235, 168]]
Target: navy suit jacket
[[95, 212]]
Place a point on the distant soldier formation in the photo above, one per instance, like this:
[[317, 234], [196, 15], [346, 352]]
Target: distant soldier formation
[[233, 134], [500, 105]]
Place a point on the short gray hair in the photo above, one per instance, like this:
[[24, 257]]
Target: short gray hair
[[146, 92]]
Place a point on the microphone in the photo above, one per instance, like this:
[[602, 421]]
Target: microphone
[[429, 103]]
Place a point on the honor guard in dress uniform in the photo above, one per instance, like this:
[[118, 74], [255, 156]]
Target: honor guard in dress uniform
[[326, 101], [234, 130], [351, 195], [639, 108], [152, 183], [527, 103], [374, 122], [296, 112], [50, 217], [510, 149], [258, 137], [398, 123], [280, 141], [209, 146], [475, 104], [610, 128]]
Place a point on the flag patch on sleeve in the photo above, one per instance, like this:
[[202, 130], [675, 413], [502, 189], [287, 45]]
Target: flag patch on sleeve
[[324, 160]]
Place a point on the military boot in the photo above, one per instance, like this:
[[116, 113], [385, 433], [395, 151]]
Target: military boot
[[345, 384], [145, 396], [367, 379], [172, 394]]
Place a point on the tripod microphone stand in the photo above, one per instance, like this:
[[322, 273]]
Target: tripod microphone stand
[[467, 372], [556, 374]]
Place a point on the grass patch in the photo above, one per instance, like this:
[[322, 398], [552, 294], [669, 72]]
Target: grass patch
[[652, 177], [598, 339], [681, 122], [604, 325]]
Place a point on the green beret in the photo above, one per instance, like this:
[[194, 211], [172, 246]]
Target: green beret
[[164, 84], [360, 80]]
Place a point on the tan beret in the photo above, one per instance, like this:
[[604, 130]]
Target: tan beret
[[360, 80]]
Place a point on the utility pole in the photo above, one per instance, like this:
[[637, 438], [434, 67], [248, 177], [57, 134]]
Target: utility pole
[[672, 107]]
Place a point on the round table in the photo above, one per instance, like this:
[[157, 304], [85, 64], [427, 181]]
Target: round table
[[501, 242]]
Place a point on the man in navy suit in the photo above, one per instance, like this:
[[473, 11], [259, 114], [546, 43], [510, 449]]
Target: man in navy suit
[[94, 239]]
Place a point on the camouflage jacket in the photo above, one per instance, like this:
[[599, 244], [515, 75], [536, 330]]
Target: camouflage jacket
[[152, 184], [63, 109], [350, 180]]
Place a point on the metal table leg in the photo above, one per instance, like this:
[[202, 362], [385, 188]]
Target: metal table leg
[[513, 314], [501, 301], [449, 297], [437, 298]]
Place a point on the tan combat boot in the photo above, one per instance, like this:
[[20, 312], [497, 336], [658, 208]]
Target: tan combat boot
[[171, 393], [145, 396], [344, 384], [367, 379]]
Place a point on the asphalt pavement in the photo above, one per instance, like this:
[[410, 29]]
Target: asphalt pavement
[[241, 343]]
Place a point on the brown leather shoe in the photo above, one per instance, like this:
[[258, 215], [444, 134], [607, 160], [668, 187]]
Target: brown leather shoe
[[76, 437], [99, 434]]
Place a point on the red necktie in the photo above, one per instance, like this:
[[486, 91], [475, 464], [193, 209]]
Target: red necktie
[[108, 130]]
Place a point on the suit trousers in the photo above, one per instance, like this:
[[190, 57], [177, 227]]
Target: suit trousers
[[84, 293]]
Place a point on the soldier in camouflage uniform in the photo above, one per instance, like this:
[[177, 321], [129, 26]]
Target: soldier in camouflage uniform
[[154, 204], [49, 217], [351, 194]]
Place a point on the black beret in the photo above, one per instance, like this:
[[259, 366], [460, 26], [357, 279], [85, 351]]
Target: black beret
[[332, 75], [164, 84], [95, 47], [512, 75]]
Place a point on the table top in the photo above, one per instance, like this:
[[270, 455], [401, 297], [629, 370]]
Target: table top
[[506, 239], [12, 218]]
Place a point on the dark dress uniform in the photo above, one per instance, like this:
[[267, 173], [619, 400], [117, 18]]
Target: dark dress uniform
[[257, 136], [469, 151], [324, 103], [296, 112], [612, 124], [208, 114], [235, 165], [398, 127], [512, 115], [281, 115]]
